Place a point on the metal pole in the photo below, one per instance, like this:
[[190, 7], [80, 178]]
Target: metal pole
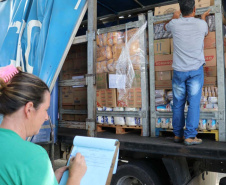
[[144, 80], [91, 56], [220, 69], [151, 72]]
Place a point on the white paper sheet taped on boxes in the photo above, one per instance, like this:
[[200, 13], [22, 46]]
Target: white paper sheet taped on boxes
[[117, 81]]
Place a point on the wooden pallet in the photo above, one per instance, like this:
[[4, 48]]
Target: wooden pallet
[[213, 132], [119, 129]]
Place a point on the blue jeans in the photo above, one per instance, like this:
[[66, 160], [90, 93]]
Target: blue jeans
[[187, 86]]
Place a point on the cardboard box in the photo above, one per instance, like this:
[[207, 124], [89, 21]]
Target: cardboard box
[[101, 81], [67, 96], [162, 46], [110, 97], [210, 81], [133, 98], [163, 62], [175, 7], [101, 98], [164, 84], [80, 96], [210, 57], [138, 98], [210, 71], [68, 117], [66, 76], [163, 75], [210, 40], [166, 9], [80, 117], [68, 66], [171, 46], [137, 79], [203, 3]]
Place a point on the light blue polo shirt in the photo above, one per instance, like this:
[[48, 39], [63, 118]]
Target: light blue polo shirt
[[188, 42]]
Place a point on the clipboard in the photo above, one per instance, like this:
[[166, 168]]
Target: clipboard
[[101, 158], [117, 144]]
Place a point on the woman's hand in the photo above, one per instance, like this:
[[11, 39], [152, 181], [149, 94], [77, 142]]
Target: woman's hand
[[59, 172], [77, 169]]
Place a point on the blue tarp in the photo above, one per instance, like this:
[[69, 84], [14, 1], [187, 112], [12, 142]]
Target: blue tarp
[[35, 33]]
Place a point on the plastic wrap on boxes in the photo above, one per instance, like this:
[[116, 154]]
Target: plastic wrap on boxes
[[116, 50], [211, 124], [171, 123], [101, 39], [160, 93], [217, 125], [202, 124], [130, 33], [164, 108], [136, 60], [119, 120], [160, 101], [108, 119], [213, 100], [115, 38], [124, 64], [100, 119], [169, 95], [203, 100], [111, 65], [101, 67], [139, 120], [104, 53], [211, 22], [165, 122], [131, 121], [158, 123], [160, 33]]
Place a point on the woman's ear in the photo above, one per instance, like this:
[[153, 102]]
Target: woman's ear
[[28, 109]]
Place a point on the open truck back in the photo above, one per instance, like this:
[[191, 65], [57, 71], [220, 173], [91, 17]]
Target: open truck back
[[144, 158]]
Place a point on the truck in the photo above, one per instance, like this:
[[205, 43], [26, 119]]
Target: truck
[[148, 159], [145, 158]]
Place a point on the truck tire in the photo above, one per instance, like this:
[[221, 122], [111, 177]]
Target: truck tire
[[137, 173]]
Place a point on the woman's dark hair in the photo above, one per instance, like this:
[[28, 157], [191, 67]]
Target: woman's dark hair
[[20, 90], [186, 6]]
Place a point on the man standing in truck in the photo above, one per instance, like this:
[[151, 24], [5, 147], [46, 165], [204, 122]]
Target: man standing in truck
[[188, 59]]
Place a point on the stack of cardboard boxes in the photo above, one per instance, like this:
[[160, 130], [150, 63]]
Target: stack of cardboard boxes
[[109, 97], [75, 98], [162, 10], [109, 48]]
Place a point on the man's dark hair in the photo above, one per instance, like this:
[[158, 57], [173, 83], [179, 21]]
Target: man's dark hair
[[186, 6]]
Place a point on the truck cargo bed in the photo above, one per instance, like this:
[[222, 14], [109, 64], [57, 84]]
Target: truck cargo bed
[[209, 149]]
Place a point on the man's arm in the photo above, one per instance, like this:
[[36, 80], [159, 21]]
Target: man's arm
[[203, 16], [176, 15]]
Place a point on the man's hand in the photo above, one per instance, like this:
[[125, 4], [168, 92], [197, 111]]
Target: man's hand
[[203, 16], [59, 172], [176, 15]]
